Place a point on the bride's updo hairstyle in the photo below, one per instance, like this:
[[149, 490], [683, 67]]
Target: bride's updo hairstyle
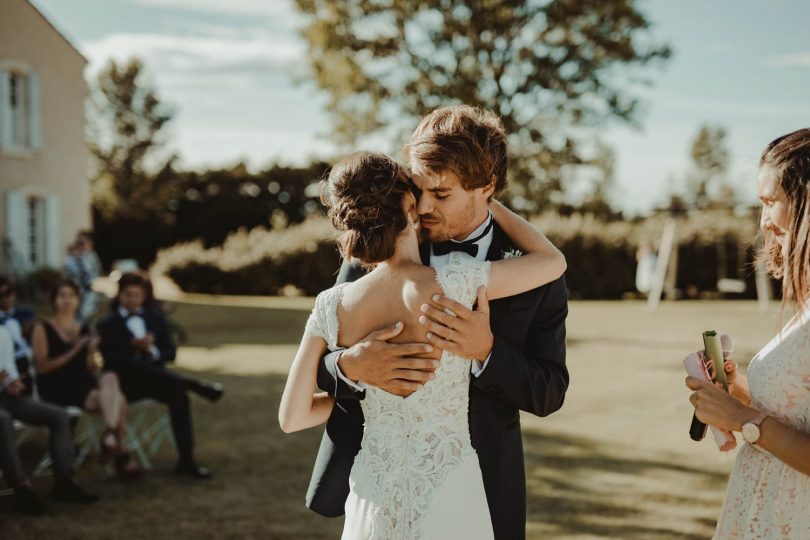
[[364, 195], [789, 155]]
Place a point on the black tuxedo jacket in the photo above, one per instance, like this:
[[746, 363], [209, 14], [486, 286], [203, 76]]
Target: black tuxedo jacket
[[526, 372], [116, 339]]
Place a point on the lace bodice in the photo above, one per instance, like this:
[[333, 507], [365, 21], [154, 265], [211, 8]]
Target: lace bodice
[[767, 499], [411, 444]]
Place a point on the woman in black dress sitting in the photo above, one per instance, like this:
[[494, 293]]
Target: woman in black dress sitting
[[64, 355]]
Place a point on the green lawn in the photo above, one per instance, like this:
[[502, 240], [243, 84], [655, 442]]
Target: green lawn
[[616, 462]]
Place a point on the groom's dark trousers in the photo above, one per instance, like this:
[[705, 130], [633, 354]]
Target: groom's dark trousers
[[526, 371]]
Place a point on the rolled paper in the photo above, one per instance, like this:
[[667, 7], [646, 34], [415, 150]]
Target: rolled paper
[[695, 365], [714, 358]]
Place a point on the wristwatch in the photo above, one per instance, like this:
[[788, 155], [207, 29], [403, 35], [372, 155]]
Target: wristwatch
[[750, 430]]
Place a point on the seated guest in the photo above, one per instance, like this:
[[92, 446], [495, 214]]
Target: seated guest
[[64, 355], [136, 345], [18, 322], [82, 265], [15, 406]]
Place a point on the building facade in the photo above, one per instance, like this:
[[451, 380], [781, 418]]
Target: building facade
[[44, 158]]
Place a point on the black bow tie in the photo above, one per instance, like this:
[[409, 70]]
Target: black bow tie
[[443, 248], [468, 246]]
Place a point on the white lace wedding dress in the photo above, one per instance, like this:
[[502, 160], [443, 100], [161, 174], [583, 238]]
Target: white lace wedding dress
[[417, 475], [767, 499]]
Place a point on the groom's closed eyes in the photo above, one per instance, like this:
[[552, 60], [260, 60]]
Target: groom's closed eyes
[[440, 193]]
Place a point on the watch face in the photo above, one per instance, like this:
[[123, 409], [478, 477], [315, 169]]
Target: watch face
[[750, 432]]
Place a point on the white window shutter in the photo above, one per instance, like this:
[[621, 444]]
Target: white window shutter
[[5, 109], [34, 111], [16, 228], [53, 232]]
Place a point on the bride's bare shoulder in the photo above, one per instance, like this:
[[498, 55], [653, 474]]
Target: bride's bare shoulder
[[378, 288]]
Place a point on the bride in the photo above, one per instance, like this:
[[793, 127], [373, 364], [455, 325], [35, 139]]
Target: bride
[[417, 474]]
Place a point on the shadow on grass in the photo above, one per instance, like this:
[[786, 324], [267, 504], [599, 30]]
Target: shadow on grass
[[576, 486], [212, 325], [261, 476]]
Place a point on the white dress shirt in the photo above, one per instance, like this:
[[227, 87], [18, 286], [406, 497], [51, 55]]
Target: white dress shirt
[[7, 362], [137, 326], [23, 350], [437, 261]]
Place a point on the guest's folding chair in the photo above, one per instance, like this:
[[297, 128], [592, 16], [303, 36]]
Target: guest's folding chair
[[85, 441], [148, 429]]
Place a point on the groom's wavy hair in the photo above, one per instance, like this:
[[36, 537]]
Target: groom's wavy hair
[[364, 195], [789, 155], [467, 141]]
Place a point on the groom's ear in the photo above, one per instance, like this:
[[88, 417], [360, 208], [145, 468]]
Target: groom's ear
[[489, 190]]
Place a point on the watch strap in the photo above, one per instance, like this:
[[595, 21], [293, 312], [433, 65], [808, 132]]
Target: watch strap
[[758, 419]]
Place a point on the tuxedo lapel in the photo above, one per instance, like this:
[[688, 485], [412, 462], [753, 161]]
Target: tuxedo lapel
[[500, 243], [149, 321], [121, 322]]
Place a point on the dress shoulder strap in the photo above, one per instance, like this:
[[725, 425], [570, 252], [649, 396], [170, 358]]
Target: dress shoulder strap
[[461, 277], [323, 321]]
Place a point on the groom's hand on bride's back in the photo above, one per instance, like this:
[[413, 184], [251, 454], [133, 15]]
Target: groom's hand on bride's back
[[394, 367], [456, 329]]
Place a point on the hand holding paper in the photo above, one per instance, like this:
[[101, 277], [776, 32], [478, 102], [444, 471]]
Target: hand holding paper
[[695, 365]]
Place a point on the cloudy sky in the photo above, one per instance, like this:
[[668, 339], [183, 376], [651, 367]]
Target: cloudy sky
[[234, 72]]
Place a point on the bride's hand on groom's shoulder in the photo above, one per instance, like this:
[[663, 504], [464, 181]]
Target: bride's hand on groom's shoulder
[[393, 367]]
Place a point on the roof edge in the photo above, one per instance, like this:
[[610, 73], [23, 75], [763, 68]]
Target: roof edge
[[58, 32]]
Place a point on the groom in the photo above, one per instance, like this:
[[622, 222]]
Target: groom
[[517, 344]]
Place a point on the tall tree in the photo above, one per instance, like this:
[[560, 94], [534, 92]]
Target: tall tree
[[552, 69], [603, 183], [707, 182], [127, 120]]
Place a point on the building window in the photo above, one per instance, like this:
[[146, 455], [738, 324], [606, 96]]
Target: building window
[[35, 230], [19, 108]]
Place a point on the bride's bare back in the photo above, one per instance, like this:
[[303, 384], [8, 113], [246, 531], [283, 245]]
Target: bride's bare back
[[383, 297]]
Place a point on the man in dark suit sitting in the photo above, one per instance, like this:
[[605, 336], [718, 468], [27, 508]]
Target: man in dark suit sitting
[[136, 344], [517, 344]]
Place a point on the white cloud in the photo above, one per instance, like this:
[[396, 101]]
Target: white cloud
[[282, 13], [211, 146], [248, 7], [801, 59], [229, 86], [173, 54]]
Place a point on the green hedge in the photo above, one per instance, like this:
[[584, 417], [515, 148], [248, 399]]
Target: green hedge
[[258, 261], [601, 256]]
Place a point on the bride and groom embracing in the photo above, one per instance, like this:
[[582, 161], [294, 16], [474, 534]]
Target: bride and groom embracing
[[423, 377]]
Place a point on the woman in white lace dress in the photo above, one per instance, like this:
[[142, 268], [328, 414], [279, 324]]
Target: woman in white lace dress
[[769, 489], [417, 475]]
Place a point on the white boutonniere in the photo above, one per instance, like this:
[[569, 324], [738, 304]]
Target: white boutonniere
[[511, 253]]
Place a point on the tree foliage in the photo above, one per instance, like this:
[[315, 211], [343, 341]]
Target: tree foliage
[[132, 176], [552, 69], [707, 181]]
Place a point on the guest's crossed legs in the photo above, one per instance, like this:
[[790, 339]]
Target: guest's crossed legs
[[139, 381]]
